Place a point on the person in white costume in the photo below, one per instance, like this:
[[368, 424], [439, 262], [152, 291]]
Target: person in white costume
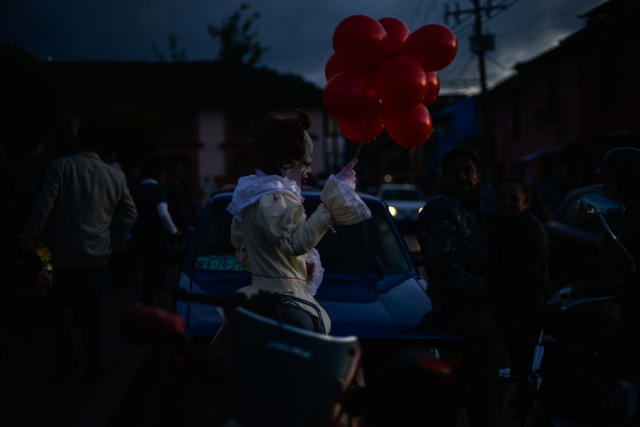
[[274, 239]]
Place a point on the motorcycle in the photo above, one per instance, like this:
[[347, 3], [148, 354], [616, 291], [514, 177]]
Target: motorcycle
[[577, 376], [270, 366], [254, 364]]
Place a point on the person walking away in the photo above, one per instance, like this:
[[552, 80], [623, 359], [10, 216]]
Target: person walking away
[[153, 229], [453, 239], [177, 194], [84, 206]]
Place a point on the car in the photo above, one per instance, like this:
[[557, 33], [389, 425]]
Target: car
[[405, 201], [371, 288]]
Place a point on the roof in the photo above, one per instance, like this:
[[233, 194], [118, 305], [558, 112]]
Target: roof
[[608, 7], [541, 153], [608, 21], [204, 83]]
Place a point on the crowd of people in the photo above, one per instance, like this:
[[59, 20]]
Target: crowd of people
[[98, 226], [488, 273]]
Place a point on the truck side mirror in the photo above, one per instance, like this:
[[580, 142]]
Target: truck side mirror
[[600, 210], [610, 214]]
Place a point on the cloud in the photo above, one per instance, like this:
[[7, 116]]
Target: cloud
[[297, 33]]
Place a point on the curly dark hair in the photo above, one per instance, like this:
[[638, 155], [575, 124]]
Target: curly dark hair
[[280, 142]]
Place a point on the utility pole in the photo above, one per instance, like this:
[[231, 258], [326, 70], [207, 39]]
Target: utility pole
[[480, 43]]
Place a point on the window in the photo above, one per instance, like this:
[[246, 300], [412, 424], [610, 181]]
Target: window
[[214, 251], [371, 246], [402, 194]]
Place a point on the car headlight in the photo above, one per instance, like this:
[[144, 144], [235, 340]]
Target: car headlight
[[420, 210], [393, 211]]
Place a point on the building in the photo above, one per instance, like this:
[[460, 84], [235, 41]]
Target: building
[[207, 110], [562, 110]]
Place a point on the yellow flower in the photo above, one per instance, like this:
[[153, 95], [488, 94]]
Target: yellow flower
[[43, 253]]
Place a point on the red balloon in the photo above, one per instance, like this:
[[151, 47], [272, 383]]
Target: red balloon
[[433, 46], [333, 67], [397, 32], [433, 88], [350, 96], [408, 128], [353, 131], [401, 82], [361, 42]]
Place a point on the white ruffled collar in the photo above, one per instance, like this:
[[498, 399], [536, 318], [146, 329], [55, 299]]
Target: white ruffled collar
[[251, 188]]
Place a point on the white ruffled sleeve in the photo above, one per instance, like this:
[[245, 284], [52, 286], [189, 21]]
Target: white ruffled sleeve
[[340, 197]]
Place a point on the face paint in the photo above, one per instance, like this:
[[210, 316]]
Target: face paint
[[301, 169]]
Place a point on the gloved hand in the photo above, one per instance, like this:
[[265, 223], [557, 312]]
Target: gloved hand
[[347, 174]]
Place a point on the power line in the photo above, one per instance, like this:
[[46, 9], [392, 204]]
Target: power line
[[481, 42], [503, 6], [498, 63], [520, 27], [462, 31], [460, 24], [419, 17], [433, 8], [463, 68], [416, 13], [464, 27]]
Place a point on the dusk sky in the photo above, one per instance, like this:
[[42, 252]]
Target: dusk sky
[[298, 33]]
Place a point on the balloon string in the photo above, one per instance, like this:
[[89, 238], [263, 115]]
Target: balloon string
[[364, 134]]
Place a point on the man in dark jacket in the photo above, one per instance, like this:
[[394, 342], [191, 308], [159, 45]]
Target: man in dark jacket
[[154, 228], [453, 240], [83, 206]]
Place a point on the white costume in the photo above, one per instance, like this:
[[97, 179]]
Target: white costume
[[273, 238]]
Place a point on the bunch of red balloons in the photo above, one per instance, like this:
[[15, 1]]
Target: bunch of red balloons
[[382, 76]]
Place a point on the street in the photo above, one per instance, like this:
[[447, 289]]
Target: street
[[31, 399], [129, 390]]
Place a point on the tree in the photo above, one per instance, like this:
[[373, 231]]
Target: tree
[[238, 41], [175, 54]]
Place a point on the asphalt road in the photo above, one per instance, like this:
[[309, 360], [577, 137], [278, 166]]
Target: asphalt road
[[27, 359]]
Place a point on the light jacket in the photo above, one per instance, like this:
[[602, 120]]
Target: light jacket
[[273, 236], [84, 204]]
